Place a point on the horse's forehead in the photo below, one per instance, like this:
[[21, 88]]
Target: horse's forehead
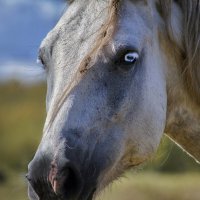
[[83, 14], [93, 11], [81, 21], [78, 31], [84, 19]]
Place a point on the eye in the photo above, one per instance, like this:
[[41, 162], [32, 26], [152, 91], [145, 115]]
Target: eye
[[42, 58], [131, 57], [41, 62], [126, 59]]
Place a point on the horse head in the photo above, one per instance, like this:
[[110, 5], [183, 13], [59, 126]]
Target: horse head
[[114, 81]]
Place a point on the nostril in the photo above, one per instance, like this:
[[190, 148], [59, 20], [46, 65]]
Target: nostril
[[65, 182], [72, 184]]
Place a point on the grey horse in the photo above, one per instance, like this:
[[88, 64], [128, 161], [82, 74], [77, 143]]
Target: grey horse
[[120, 74]]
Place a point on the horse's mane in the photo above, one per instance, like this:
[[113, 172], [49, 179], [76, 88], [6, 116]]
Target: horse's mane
[[191, 46], [191, 42]]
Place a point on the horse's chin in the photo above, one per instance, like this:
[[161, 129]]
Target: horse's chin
[[107, 178]]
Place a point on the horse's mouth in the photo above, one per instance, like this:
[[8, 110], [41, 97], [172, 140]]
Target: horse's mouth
[[41, 194]]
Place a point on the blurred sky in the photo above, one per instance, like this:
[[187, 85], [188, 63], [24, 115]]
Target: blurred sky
[[23, 25]]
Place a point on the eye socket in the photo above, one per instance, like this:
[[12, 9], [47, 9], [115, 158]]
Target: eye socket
[[41, 62]]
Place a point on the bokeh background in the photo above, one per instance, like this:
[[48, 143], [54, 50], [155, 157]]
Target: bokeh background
[[170, 175]]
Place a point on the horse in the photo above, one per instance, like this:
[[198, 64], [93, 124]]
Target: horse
[[120, 74]]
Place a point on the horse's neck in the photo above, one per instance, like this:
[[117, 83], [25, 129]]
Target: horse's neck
[[183, 113], [184, 128]]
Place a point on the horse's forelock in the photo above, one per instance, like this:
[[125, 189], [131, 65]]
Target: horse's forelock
[[105, 33]]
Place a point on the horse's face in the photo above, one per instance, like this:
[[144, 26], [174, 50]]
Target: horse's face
[[114, 115]]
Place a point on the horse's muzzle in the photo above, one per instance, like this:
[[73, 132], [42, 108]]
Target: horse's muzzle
[[58, 182]]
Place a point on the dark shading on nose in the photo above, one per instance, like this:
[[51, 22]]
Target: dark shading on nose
[[66, 182]]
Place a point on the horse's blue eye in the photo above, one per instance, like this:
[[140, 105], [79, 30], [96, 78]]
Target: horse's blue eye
[[131, 57], [126, 59]]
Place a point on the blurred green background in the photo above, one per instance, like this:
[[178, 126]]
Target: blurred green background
[[170, 175]]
